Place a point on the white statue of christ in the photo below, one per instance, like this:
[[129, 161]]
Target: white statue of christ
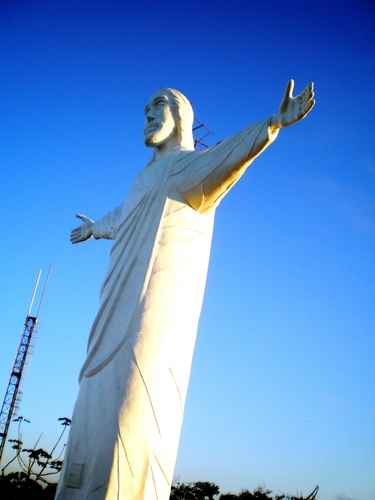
[[127, 418]]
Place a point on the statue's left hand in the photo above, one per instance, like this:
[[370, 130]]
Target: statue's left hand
[[293, 109], [84, 231]]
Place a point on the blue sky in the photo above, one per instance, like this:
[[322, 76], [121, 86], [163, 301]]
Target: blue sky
[[281, 391]]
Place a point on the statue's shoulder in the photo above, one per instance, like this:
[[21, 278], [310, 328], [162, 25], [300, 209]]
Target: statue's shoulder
[[181, 161]]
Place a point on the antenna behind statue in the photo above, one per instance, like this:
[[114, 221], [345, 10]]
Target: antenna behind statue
[[13, 393], [38, 296], [200, 136]]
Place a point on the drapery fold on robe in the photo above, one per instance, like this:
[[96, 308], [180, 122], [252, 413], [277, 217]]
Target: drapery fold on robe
[[202, 179], [135, 377], [217, 169]]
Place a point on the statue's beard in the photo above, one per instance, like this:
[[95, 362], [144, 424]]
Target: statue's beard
[[151, 139], [158, 136]]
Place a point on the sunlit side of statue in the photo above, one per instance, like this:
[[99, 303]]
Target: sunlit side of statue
[[128, 414]]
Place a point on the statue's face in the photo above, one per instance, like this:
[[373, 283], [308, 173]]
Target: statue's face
[[159, 124]]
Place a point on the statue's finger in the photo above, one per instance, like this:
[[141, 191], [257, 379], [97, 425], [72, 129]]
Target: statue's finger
[[310, 90], [288, 92], [84, 218], [290, 88], [308, 100], [308, 108], [304, 94]]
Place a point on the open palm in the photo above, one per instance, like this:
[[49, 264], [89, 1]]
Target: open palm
[[82, 232], [292, 109]]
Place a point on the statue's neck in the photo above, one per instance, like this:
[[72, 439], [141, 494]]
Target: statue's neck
[[171, 145], [160, 154]]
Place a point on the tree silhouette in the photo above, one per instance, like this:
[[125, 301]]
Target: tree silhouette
[[207, 491], [182, 491], [39, 463]]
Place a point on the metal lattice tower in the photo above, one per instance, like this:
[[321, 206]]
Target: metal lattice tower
[[10, 399], [200, 136], [13, 390]]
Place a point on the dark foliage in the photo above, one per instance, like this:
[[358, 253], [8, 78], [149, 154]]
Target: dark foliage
[[263, 494], [201, 490], [207, 491], [32, 482], [19, 486]]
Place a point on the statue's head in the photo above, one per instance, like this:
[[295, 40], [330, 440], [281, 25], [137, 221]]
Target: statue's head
[[169, 120]]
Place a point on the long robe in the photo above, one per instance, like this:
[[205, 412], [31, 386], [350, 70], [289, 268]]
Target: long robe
[[127, 419]]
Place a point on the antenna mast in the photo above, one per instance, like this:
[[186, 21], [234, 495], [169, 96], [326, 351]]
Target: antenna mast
[[10, 400], [200, 136]]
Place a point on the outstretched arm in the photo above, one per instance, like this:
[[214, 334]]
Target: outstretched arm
[[106, 227], [216, 170]]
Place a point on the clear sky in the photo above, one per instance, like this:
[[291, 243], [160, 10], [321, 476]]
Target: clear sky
[[282, 387]]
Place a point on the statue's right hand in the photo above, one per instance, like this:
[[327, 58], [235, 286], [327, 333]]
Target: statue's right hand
[[84, 231]]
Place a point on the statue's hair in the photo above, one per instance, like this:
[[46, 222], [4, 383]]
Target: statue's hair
[[183, 114]]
